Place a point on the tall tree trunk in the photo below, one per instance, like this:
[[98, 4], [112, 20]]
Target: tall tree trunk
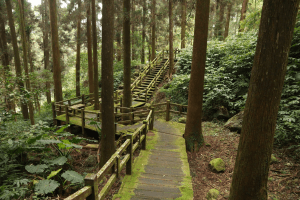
[[219, 24], [4, 55], [108, 131], [119, 48], [217, 11], [243, 12], [193, 130], [229, 6], [78, 50], [89, 46], [55, 51], [46, 49], [171, 53], [143, 32], [153, 30], [252, 164], [95, 57], [24, 107], [132, 31], [183, 23], [25, 61], [126, 53]]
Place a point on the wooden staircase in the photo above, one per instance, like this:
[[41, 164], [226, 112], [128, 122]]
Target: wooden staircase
[[145, 89]]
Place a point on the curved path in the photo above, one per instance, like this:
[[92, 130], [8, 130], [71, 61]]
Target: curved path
[[161, 171]]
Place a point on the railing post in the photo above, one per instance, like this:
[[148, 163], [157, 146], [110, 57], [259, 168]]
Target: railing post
[[91, 180], [98, 117], [152, 119], [180, 110], [69, 102], [168, 111], [82, 99], [67, 114], [54, 113], [131, 115], [129, 151], [82, 120], [144, 142], [118, 166]]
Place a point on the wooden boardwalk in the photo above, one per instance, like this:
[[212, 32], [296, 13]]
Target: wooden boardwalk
[[162, 171]]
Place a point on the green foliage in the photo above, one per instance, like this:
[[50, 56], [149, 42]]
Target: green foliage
[[72, 176], [46, 186]]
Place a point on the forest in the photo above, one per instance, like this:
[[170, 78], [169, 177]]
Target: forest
[[90, 89]]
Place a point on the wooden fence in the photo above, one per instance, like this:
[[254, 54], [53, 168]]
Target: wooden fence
[[181, 109]]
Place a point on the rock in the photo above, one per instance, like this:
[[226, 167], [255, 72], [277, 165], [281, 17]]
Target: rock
[[182, 120], [212, 194], [217, 164], [235, 123], [273, 159], [221, 113]]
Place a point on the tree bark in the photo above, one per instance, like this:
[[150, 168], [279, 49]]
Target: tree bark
[[171, 53], [252, 164], [183, 23], [89, 47], [95, 57], [46, 49], [229, 6], [108, 130], [78, 50], [193, 130], [55, 52], [219, 24], [243, 12], [24, 107], [132, 31], [126, 53], [153, 30], [25, 61], [143, 32]]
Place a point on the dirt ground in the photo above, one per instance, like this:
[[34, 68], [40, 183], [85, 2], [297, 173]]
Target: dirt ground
[[284, 176]]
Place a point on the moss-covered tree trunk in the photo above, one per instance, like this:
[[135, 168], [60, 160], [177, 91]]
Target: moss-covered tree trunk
[[229, 6], [171, 51], [183, 23], [143, 32], [46, 48], [18, 69], [153, 29], [252, 163], [78, 50], [25, 60], [193, 130], [126, 54], [243, 12], [132, 30], [108, 129], [89, 46], [95, 57], [55, 51]]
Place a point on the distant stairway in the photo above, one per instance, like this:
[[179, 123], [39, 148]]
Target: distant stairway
[[145, 89]]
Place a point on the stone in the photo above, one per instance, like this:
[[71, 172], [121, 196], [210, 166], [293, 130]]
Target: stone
[[273, 159], [221, 113], [182, 120], [217, 164], [212, 194], [234, 124]]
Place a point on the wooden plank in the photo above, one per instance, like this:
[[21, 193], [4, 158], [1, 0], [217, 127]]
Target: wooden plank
[[160, 104], [160, 111], [173, 111], [108, 165], [80, 194], [77, 106], [135, 146], [124, 161]]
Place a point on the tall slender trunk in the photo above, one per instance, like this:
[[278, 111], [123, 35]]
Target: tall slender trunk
[[183, 23], [78, 50], [24, 107], [220, 28], [95, 57], [217, 11], [126, 53], [89, 46], [229, 6], [250, 176], [46, 49], [143, 32], [55, 51], [171, 56], [243, 12], [193, 130], [153, 30], [132, 31], [108, 131], [119, 48], [25, 61]]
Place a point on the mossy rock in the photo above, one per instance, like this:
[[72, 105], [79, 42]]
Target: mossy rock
[[182, 120], [273, 159], [212, 194], [217, 164], [91, 161], [234, 124]]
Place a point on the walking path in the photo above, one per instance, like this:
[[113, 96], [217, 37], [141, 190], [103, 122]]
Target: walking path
[[162, 171]]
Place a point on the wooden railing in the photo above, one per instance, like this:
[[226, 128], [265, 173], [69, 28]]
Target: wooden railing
[[181, 109], [121, 158]]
